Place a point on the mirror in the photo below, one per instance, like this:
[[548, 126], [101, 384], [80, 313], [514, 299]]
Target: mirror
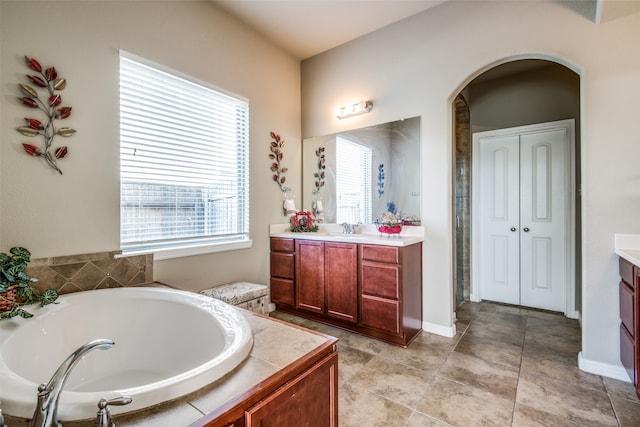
[[364, 173]]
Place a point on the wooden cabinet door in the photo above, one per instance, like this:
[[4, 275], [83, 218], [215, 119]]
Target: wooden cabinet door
[[341, 280], [310, 275], [636, 312], [311, 400]]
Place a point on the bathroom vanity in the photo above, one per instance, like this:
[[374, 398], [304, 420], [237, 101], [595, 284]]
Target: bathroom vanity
[[364, 283], [628, 249]]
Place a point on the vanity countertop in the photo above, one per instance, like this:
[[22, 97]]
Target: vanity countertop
[[627, 246], [365, 234]]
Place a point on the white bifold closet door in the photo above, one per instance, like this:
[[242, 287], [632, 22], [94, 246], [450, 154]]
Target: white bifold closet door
[[522, 202]]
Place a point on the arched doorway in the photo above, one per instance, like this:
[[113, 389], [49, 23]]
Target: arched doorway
[[515, 93]]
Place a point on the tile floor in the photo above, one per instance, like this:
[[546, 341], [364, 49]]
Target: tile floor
[[507, 366]]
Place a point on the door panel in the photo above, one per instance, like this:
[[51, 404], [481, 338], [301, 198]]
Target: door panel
[[499, 253], [543, 192], [310, 275], [341, 280]]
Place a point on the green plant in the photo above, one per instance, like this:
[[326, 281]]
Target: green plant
[[16, 286]]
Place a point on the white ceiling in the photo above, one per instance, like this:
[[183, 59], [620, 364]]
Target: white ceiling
[[308, 27]]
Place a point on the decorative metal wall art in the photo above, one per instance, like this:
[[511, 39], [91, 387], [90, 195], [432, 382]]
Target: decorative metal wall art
[[320, 174], [52, 109], [380, 180], [276, 167], [289, 206]]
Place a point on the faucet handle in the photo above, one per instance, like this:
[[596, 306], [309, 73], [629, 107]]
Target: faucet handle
[[103, 417]]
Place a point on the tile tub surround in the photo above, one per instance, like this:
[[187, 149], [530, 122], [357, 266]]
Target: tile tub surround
[[86, 272], [628, 247], [507, 366], [267, 358]]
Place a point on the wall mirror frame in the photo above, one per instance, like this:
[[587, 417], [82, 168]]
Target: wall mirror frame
[[368, 171]]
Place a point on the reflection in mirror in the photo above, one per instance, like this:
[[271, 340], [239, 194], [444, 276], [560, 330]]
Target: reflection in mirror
[[367, 172]]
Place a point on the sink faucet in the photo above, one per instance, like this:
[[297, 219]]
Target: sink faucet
[[349, 228], [46, 413]]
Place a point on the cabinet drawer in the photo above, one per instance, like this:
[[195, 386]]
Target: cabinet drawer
[[380, 313], [282, 291], [380, 253], [282, 245], [627, 353], [626, 272], [380, 279], [627, 310], [282, 265]]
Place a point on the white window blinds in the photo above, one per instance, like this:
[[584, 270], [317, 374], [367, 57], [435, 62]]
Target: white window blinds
[[184, 162], [353, 182]]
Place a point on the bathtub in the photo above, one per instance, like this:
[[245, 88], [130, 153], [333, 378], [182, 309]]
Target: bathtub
[[168, 343]]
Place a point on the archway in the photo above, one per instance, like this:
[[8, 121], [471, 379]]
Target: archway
[[513, 92]]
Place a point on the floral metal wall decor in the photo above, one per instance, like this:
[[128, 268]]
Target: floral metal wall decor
[[276, 167], [52, 108], [320, 174]]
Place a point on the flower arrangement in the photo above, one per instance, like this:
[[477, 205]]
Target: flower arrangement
[[16, 287], [276, 167], [51, 107], [320, 174], [302, 222], [390, 223]]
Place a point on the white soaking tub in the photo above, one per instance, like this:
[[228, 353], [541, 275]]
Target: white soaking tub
[[168, 343]]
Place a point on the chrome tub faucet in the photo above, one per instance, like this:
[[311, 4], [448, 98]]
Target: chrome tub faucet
[[46, 412]]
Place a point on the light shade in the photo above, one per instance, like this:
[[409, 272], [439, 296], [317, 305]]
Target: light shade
[[354, 110]]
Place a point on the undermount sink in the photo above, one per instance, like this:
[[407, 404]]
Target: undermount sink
[[168, 343]]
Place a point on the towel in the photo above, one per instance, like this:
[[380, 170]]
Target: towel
[[289, 207]]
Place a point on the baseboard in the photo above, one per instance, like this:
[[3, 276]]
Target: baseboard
[[616, 372], [575, 314], [446, 331]]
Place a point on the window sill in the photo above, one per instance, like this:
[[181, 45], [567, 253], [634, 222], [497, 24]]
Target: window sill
[[160, 254]]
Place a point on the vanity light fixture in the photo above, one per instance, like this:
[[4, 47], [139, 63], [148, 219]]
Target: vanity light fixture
[[354, 110]]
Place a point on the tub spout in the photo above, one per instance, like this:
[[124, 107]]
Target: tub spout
[[46, 413]]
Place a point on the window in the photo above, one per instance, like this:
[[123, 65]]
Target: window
[[184, 163], [353, 182]]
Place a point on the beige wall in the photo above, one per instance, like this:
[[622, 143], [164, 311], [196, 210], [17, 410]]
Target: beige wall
[[79, 212], [416, 68]]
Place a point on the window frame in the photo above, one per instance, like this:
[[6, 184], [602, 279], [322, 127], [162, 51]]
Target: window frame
[[181, 247]]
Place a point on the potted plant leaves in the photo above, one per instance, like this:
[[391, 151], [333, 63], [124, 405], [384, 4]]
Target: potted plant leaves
[[17, 288]]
